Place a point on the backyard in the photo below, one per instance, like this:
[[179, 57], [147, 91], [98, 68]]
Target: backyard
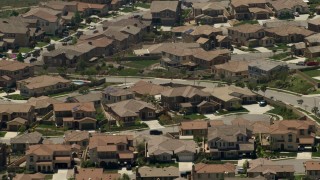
[[141, 64]]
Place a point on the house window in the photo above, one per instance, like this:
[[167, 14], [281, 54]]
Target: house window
[[31, 159], [290, 146], [290, 138], [150, 114], [301, 131]]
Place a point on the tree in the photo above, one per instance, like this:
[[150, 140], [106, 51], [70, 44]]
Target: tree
[[125, 177], [245, 166], [274, 51], [81, 65], [263, 88], [14, 13], [315, 110], [84, 90], [62, 70], [74, 40], [20, 57], [46, 39], [252, 86], [240, 84], [77, 17], [300, 101]]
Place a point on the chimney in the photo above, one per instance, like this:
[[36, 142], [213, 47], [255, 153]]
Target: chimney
[[90, 42]]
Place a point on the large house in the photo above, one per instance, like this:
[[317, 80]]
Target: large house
[[75, 115], [209, 12], [164, 173], [194, 128], [314, 25], [312, 169], [48, 157], [165, 12], [286, 8], [113, 94], [42, 85], [233, 70], [265, 69], [143, 88], [42, 104], [80, 138], [250, 9], [22, 142], [203, 171], [105, 149], [12, 71], [229, 141], [288, 34], [94, 173]]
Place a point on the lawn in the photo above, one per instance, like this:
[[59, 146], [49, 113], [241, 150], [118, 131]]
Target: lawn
[[247, 22], [48, 176], [55, 38], [312, 73], [2, 133], [194, 116], [128, 9], [41, 44], [280, 56], [284, 112], [46, 126], [279, 46], [16, 97], [124, 72], [25, 49], [299, 177], [49, 132], [316, 154], [241, 110], [141, 64], [123, 128], [142, 5]]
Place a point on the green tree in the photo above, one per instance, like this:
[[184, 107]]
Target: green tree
[[74, 40], [125, 177], [87, 163], [100, 115], [84, 90], [315, 110], [14, 13], [20, 57], [240, 84], [245, 166], [62, 70], [263, 88], [81, 65], [77, 17]]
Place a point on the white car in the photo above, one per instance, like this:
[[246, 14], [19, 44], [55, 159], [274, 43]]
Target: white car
[[91, 27]]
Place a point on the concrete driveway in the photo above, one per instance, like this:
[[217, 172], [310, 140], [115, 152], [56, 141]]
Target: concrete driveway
[[8, 136], [153, 124], [262, 49], [256, 109], [185, 167], [304, 155], [302, 17], [62, 174]]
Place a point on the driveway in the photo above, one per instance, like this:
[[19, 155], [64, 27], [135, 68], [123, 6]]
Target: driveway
[[304, 155], [238, 51], [153, 124], [262, 49], [62, 174], [302, 17], [185, 167], [256, 109], [128, 172], [8, 136]]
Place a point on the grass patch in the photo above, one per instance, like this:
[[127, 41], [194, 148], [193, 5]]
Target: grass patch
[[41, 44], [312, 73], [284, 112], [280, 56], [55, 38], [128, 9], [46, 126], [20, 3], [279, 46], [25, 49], [240, 110], [124, 72], [48, 176], [143, 5], [123, 128], [194, 116], [316, 154], [16, 97], [2, 133], [315, 117], [9, 12], [141, 64], [50, 132], [247, 22]]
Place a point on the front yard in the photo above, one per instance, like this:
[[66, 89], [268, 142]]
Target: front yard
[[143, 5], [235, 111], [2, 133], [25, 49], [281, 56], [284, 112], [16, 97], [141, 64]]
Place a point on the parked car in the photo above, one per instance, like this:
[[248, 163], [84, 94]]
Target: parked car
[[312, 63], [262, 103], [296, 14], [33, 60], [91, 27], [300, 63], [241, 170], [155, 132], [136, 16]]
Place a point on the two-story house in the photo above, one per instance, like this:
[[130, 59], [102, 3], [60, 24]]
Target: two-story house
[[48, 157], [113, 94], [250, 9], [312, 169], [288, 33], [104, 149], [75, 115], [183, 98], [286, 8], [250, 35], [229, 141], [291, 135], [22, 142], [161, 173], [42, 85], [165, 12], [80, 138], [265, 69], [194, 128], [12, 71], [202, 171], [209, 12]]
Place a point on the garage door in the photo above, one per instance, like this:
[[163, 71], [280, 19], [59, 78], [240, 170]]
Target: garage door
[[186, 158], [87, 126]]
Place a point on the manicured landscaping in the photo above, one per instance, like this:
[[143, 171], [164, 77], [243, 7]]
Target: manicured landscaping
[[316, 154], [299, 177], [25, 49], [19, 3], [50, 132], [2, 133], [16, 97], [194, 116], [284, 112], [123, 128], [240, 110], [279, 46], [141, 64], [124, 72], [41, 44], [312, 73], [280, 56], [142, 5], [247, 22], [128, 9]]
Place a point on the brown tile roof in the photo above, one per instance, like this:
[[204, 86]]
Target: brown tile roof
[[210, 55], [12, 65], [126, 22], [43, 13], [214, 168], [315, 38], [194, 125], [32, 138], [272, 168], [312, 165], [74, 136], [158, 6], [202, 40], [313, 49], [237, 3], [84, 6], [314, 21], [286, 126], [95, 174], [43, 81], [205, 30], [129, 107], [288, 30], [247, 28], [58, 5], [47, 149], [153, 172], [227, 132], [214, 123], [287, 4], [85, 106], [143, 87], [37, 176], [103, 140], [11, 108], [116, 91], [13, 26], [185, 91], [208, 6], [234, 66], [42, 101], [98, 42], [18, 120]]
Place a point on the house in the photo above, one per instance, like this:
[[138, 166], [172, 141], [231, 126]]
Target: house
[[36, 176], [265, 69], [250, 35], [164, 173], [285, 8], [80, 138], [22, 142], [12, 71], [128, 111], [229, 141], [313, 40], [164, 150], [134, 32], [91, 97], [250, 9], [48, 157], [194, 128], [298, 49], [207, 59], [203, 171], [3, 155], [142, 88], [157, 49], [186, 98], [166, 13], [49, 19], [104, 149], [290, 135], [75, 115], [143, 25], [312, 52], [288, 34], [13, 34], [42, 85], [88, 9], [314, 25], [95, 173], [312, 169], [114, 94], [42, 104], [233, 70], [209, 12], [269, 170], [13, 116]]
